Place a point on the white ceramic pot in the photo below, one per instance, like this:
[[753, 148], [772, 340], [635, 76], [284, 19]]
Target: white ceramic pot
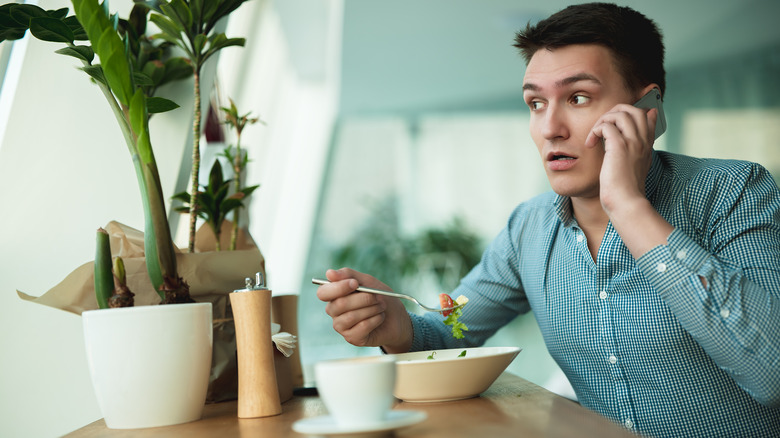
[[150, 365]]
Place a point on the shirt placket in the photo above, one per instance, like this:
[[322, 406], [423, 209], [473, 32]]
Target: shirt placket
[[611, 350]]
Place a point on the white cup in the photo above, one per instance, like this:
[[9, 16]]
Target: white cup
[[357, 391]]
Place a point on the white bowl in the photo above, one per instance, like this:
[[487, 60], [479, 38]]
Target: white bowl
[[449, 376]]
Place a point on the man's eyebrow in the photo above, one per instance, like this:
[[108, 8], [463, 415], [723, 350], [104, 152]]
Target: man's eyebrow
[[565, 82]]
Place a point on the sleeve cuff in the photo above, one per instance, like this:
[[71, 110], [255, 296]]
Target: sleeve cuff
[[418, 332], [667, 265]]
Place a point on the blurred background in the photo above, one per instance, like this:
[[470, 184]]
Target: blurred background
[[395, 141]]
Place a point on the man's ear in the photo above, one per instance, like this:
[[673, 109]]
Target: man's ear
[[647, 89]]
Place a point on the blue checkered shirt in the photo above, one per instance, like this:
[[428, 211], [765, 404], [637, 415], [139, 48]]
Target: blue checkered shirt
[[644, 342]]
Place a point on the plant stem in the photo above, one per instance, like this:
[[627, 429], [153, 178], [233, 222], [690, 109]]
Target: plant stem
[[236, 188], [195, 161]]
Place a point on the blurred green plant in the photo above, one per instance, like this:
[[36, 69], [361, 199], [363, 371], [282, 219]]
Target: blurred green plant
[[380, 249]]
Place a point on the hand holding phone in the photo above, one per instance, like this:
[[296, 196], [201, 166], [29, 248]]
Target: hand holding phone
[[653, 100]]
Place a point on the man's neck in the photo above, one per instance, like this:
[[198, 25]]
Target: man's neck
[[593, 221], [589, 212]]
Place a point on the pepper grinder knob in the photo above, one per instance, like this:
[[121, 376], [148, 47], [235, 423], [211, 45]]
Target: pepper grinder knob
[[258, 393]]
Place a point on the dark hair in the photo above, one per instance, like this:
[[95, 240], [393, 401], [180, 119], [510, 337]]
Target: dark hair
[[634, 39]]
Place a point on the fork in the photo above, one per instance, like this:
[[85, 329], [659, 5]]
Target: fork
[[393, 294]]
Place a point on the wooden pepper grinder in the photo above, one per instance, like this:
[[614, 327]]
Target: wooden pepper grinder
[[258, 394]]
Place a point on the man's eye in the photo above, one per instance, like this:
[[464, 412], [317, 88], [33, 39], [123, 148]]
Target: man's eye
[[535, 105], [580, 99]]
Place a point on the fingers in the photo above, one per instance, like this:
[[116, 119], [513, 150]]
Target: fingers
[[625, 124], [357, 328], [341, 284], [359, 305]]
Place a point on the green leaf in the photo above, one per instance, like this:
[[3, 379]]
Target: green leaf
[[172, 12], [155, 70], [93, 19], [84, 53], [22, 14], [104, 7], [215, 175], [114, 19], [138, 19], [153, 5], [51, 29], [221, 44], [59, 13], [157, 105], [79, 34], [183, 197], [96, 73], [167, 26], [224, 8], [248, 190], [208, 10], [6, 21], [199, 43], [115, 65], [12, 34], [196, 7], [182, 11], [142, 80], [231, 204], [176, 69]]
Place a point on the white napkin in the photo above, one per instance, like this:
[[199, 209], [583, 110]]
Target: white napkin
[[285, 342]]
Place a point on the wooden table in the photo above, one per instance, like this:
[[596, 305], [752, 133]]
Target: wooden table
[[511, 407]]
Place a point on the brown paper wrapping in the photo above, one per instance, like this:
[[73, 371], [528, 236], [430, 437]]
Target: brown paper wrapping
[[211, 276]]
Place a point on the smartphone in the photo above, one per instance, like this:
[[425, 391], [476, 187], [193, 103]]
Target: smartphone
[[653, 100]]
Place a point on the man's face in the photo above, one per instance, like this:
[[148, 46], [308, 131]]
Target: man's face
[[567, 90]]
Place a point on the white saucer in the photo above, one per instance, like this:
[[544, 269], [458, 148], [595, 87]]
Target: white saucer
[[326, 425]]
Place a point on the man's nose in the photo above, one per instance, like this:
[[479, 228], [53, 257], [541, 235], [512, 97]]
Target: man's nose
[[554, 125]]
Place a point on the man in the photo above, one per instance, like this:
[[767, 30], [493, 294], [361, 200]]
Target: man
[[654, 277]]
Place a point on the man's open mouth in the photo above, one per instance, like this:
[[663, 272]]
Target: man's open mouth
[[559, 156]]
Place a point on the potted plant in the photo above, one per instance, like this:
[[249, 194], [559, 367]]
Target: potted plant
[[130, 395], [149, 365]]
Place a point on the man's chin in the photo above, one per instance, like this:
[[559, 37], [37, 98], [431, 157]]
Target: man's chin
[[571, 191]]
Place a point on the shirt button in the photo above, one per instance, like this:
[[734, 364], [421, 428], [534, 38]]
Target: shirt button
[[628, 423], [661, 267], [724, 313], [681, 254], [603, 295], [580, 237], [612, 359]]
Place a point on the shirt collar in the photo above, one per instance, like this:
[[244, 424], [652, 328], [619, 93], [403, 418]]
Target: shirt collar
[[563, 204]]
